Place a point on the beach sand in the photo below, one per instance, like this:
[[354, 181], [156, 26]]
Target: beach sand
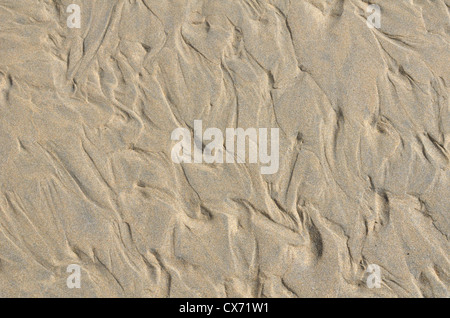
[[359, 206]]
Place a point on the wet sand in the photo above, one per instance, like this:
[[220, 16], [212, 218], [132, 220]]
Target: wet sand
[[87, 178]]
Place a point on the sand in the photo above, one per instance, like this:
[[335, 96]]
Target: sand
[[90, 196]]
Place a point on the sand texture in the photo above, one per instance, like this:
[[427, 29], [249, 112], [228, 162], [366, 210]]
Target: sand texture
[[87, 177]]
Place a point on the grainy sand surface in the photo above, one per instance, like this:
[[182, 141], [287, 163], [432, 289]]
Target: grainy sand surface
[[87, 177]]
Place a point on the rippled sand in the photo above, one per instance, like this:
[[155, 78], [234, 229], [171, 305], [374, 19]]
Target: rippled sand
[[86, 175]]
